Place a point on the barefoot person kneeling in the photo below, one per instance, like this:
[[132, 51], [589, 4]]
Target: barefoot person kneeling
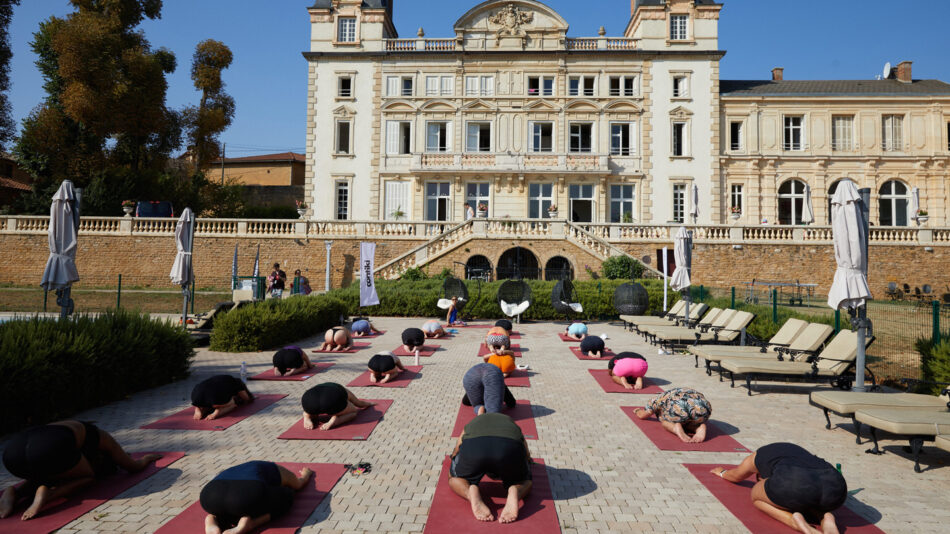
[[493, 445], [794, 486], [333, 400], [384, 367], [681, 411], [337, 338], [627, 369], [290, 361], [245, 497], [59, 459], [218, 395]]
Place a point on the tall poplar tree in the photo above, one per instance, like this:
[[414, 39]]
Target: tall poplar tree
[[7, 129]]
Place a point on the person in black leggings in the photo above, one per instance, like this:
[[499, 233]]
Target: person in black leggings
[[333, 400], [383, 367], [794, 486], [245, 497], [58, 459], [290, 361], [413, 339], [593, 346], [491, 444], [218, 395]]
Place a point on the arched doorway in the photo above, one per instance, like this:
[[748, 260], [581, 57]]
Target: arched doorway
[[558, 268], [893, 204], [517, 263], [791, 202], [478, 268]]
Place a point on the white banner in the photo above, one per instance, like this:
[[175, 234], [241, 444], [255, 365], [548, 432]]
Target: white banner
[[368, 296]]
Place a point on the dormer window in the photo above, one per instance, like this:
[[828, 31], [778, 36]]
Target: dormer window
[[346, 30], [678, 24]]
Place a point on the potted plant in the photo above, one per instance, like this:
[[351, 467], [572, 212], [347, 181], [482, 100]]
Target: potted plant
[[736, 213], [398, 214], [552, 211], [922, 216], [128, 206], [482, 210], [627, 218], [301, 207]]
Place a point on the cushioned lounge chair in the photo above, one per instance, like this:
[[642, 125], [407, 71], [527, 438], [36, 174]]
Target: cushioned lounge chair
[[846, 403], [730, 333], [716, 318], [676, 310], [804, 346], [834, 364], [695, 312], [918, 425], [943, 442]]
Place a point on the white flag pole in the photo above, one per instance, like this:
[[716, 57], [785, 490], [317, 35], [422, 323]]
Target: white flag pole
[[665, 277]]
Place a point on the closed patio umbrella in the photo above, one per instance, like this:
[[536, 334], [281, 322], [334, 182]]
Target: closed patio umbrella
[[808, 211], [257, 271], [850, 289], [681, 252], [182, 272], [61, 272]]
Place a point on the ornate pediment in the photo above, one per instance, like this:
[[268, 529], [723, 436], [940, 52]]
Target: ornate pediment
[[622, 106], [510, 24], [582, 105], [681, 113], [479, 105], [398, 105], [509, 21], [344, 112], [438, 105], [541, 105]]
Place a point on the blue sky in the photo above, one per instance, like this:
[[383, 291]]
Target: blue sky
[[812, 39]]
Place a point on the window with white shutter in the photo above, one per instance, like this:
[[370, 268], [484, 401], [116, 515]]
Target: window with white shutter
[[392, 86], [397, 201], [432, 85], [448, 86]]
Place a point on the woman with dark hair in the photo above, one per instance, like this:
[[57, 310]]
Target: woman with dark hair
[[218, 395], [290, 361], [384, 367], [245, 497]]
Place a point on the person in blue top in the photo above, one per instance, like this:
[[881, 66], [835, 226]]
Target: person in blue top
[[245, 497], [362, 327], [576, 331], [452, 316]]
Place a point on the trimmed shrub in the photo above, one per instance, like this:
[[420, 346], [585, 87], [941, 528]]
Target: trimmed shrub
[[934, 363], [274, 323], [52, 369], [620, 267], [413, 274]]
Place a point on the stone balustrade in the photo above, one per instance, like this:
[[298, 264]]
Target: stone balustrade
[[423, 44], [502, 161]]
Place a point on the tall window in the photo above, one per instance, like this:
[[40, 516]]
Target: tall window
[[581, 137], [478, 137], [735, 136], [345, 87], [622, 139], [679, 139], [406, 85], [678, 27], [622, 201], [438, 197], [397, 200], [842, 133], [893, 204], [479, 85], [392, 86], [342, 201], [343, 137], [542, 137], [793, 133], [581, 85], [791, 202], [346, 30], [623, 85], [437, 137], [735, 198], [440, 85], [892, 136], [679, 203], [680, 86], [398, 137], [540, 85], [582, 202], [477, 193], [540, 198]]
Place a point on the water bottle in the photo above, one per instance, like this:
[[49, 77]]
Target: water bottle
[[244, 372], [417, 357]]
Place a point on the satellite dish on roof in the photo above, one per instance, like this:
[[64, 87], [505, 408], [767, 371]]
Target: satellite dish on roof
[[887, 71]]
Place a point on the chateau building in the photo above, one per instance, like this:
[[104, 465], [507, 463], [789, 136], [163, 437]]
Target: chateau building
[[516, 118]]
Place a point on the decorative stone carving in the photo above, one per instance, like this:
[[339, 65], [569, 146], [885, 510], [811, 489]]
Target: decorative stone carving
[[510, 21]]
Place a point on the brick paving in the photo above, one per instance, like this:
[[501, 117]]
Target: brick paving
[[606, 476]]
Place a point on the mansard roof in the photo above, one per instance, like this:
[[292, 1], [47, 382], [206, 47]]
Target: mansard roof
[[369, 4], [832, 88]]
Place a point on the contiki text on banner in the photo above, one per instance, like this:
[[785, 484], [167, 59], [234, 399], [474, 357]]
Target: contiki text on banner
[[368, 296]]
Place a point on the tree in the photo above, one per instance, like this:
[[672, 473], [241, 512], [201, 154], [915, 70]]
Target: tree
[[216, 109], [7, 128]]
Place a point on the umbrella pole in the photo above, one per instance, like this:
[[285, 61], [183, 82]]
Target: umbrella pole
[[184, 308], [863, 324]]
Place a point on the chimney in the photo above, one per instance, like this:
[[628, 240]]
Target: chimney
[[778, 74], [904, 72]]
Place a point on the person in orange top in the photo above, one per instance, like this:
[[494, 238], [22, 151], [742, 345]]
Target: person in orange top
[[500, 354]]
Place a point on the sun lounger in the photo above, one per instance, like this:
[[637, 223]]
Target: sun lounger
[[695, 312], [730, 333], [918, 425], [806, 345], [783, 338], [716, 318], [943, 442], [846, 403], [675, 311], [832, 364]]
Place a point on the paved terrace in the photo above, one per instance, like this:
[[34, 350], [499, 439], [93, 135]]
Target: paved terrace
[[606, 475]]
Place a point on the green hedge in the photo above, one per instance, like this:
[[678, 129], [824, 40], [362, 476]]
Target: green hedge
[[408, 298], [51, 369], [276, 322]]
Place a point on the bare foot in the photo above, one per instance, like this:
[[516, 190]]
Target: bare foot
[[510, 513], [626, 385], [211, 525], [326, 426], [144, 461], [305, 474], [308, 423], [372, 378], [38, 502], [802, 524], [197, 415], [7, 502], [276, 371], [828, 525], [479, 508]]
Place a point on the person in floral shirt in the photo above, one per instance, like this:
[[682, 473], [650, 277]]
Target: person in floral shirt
[[681, 411]]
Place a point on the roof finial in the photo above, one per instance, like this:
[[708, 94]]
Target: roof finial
[[421, 32], [602, 32]]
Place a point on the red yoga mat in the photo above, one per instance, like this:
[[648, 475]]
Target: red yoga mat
[[469, 325], [518, 379], [515, 348], [610, 386], [325, 476], [735, 497], [411, 373], [564, 337], [183, 419], [375, 334], [521, 413], [353, 348], [515, 335], [608, 354], [270, 376], [426, 351], [451, 513], [57, 516], [716, 439], [358, 429]]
